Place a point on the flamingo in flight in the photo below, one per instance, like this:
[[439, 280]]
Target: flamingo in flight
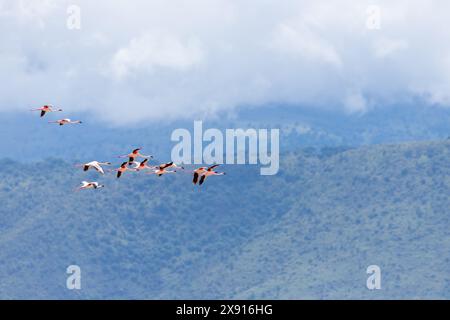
[[141, 165], [162, 169], [123, 167], [65, 121], [208, 172], [197, 173], [46, 108], [96, 165], [134, 154], [90, 185], [173, 165]]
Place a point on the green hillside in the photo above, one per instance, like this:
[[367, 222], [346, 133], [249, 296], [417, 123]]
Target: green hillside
[[309, 232], [384, 205]]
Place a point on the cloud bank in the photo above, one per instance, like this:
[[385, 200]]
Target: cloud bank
[[160, 60]]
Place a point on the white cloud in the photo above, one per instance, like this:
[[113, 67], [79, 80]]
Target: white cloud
[[304, 43], [166, 60], [355, 103], [384, 47], [156, 50], [26, 11]]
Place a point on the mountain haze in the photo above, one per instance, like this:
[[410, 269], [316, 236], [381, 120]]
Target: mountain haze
[[308, 232]]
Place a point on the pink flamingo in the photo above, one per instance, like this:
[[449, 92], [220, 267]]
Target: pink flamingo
[[46, 108], [65, 121], [89, 185], [134, 154], [209, 172]]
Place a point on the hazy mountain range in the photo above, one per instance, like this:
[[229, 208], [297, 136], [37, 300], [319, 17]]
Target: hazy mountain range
[[308, 232], [28, 137]]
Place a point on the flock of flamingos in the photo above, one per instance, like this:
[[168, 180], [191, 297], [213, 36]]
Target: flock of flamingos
[[199, 174]]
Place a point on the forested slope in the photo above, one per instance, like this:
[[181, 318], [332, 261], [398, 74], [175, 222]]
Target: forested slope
[[308, 232]]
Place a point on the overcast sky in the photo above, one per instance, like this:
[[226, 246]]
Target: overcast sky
[[155, 60]]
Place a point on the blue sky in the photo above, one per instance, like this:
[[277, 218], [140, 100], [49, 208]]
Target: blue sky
[[162, 60]]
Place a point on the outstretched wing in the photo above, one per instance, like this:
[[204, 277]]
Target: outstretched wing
[[119, 173], [136, 164], [212, 167], [98, 168], [43, 113], [195, 178], [85, 168], [163, 166], [202, 179]]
